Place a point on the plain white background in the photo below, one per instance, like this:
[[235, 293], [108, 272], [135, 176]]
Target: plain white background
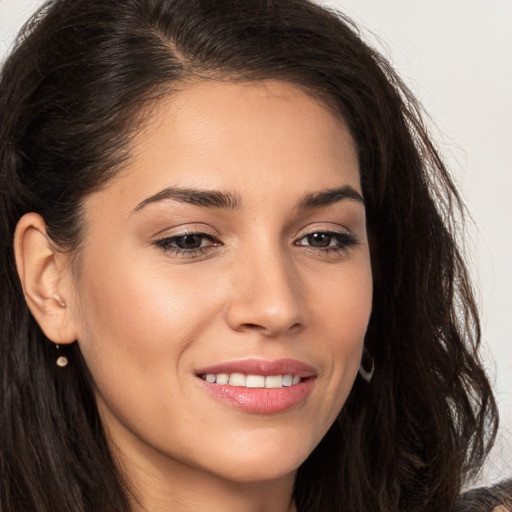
[[456, 55]]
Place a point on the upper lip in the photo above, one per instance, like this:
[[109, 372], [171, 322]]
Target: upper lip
[[261, 367]]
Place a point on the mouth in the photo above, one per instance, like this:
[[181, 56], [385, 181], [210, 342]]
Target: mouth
[[257, 386]]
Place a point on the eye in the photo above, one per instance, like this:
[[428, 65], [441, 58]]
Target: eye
[[189, 244], [327, 241]]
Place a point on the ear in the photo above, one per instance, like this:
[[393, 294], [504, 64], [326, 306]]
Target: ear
[[46, 279]]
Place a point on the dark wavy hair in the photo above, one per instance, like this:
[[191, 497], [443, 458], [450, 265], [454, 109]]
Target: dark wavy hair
[[72, 94]]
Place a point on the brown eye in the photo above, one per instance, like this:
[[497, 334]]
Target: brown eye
[[189, 242], [327, 241], [319, 239]]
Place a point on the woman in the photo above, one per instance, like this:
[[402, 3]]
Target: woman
[[234, 283]]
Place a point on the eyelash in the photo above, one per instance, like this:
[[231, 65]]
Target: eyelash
[[343, 240]]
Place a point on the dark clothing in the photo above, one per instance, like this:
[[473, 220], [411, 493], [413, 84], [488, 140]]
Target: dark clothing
[[487, 499]]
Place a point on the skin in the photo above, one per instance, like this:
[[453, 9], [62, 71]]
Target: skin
[[147, 318]]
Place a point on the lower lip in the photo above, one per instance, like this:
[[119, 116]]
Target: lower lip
[[261, 400]]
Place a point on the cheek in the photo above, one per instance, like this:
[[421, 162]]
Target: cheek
[[342, 307], [139, 325], [141, 316]]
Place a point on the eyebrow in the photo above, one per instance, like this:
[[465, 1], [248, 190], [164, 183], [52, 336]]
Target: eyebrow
[[328, 197], [205, 198], [229, 201]]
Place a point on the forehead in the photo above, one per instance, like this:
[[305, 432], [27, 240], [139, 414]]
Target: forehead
[[257, 137]]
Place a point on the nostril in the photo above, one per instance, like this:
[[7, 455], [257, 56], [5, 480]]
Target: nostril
[[269, 332], [264, 331]]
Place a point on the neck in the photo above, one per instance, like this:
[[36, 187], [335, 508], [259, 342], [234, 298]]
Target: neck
[[192, 491], [204, 496], [160, 484]]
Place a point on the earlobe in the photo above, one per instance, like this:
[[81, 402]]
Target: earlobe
[[44, 279]]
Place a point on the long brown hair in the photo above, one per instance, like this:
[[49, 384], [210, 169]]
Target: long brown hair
[[70, 97]]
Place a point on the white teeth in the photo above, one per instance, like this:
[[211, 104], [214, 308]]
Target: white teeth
[[287, 380], [237, 379], [274, 381], [222, 378], [253, 381]]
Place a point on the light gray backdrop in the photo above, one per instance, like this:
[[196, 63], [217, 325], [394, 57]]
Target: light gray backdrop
[[456, 55]]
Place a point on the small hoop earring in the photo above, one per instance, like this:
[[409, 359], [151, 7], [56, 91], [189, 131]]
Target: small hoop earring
[[62, 361], [367, 366]]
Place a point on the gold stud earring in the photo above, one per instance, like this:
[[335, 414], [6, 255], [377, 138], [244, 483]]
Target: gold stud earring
[[62, 361]]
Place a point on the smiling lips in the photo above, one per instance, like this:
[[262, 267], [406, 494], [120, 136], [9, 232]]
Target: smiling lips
[[262, 387]]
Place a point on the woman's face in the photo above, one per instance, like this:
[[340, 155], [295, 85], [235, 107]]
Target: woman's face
[[230, 253]]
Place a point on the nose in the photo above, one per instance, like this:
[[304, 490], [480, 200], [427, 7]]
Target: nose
[[266, 295]]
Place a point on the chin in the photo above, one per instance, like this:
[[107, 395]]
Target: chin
[[261, 471], [264, 461]]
